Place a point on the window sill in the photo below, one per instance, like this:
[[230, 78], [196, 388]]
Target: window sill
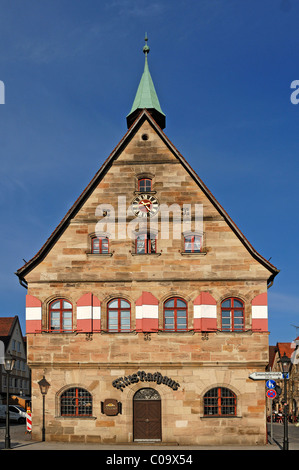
[[168, 332], [247, 332], [128, 332], [76, 417], [58, 332], [145, 192], [220, 417], [201, 253], [146, 254], [99, 255]]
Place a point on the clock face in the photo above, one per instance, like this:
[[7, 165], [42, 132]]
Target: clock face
[[145, 205]]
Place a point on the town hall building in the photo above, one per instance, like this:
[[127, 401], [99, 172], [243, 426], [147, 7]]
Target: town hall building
[[146, 308]]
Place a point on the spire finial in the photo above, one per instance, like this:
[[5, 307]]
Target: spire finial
[[146, 49], [146, 96]]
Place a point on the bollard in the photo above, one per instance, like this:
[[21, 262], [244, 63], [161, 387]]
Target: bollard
[[28, 421]]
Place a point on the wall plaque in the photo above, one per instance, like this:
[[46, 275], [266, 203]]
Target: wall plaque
[[142, 376], [111, 407]]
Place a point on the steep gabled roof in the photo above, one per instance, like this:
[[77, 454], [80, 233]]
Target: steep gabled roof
[[144, 115], [7, 325]]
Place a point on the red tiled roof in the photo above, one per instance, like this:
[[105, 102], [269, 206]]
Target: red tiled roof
[[285, 348], [6, 324]]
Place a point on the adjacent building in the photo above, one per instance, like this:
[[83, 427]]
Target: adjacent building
[[146, 309], [291, 350], [19, 379]]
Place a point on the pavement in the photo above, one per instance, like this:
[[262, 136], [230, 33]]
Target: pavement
[[20, 440]]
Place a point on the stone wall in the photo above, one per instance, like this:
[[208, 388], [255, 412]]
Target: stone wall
[[197, 360]]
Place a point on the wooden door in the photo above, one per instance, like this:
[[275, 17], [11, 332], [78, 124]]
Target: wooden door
[[147, 420]]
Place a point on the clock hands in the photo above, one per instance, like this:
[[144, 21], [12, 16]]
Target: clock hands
[[146, 204]]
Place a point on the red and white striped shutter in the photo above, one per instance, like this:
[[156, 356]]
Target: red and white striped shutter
[[33, 314], [205, 312], [260, 312], [88, 313], [147, 313]]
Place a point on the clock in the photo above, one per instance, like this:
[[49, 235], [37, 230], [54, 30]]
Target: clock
[[145, 205]]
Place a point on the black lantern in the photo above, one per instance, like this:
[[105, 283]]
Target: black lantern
[[44, 387], [285, 363], [9, 363]]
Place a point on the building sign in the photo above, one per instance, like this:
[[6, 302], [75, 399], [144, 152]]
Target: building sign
[[142, 376], [111, 407]]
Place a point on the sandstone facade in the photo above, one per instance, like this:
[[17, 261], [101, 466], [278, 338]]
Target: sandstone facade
[[200, 358]]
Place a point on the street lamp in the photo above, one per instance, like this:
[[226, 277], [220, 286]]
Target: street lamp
[[44, 387], [285, 362], [9, 363]]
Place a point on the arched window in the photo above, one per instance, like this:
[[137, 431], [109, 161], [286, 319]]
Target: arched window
[[147, 394], [232, 315], [76, 402], [60, 315], [175, 315], [119, 315], [144, 185], [100, 245], [220, 401]]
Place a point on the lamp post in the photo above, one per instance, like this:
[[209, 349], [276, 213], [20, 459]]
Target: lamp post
[[9, 363], [285, 362], [44, 387]]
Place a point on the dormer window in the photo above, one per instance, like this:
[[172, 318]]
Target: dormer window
[[145, 185]]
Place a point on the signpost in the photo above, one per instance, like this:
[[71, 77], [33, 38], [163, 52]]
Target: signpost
[[267, 376], [270, 377]]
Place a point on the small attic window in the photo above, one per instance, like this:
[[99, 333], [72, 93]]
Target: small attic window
[[100, 245], [144, 137], [144, 184]]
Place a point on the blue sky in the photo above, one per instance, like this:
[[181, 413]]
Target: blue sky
[[222, 70]]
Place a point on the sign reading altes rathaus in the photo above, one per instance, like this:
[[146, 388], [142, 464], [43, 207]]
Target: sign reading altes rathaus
[[123, 382]]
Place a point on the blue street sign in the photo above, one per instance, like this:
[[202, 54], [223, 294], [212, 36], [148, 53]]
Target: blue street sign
[[271, 384]]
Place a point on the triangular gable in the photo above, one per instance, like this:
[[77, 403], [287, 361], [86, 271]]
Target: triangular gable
[[7, 328], [144, 115]]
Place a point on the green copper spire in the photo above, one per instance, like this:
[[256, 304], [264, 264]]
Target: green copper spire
[[146, 96]]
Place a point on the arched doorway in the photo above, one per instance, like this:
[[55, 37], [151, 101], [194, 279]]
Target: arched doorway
[[147, 415]]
